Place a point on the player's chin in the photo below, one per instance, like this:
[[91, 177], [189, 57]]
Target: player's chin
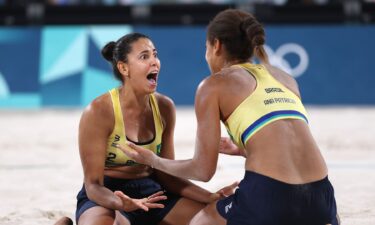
[[151, 89], [153, 86]]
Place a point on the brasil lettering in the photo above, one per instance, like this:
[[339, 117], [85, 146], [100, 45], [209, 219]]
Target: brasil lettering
[[270, 90]]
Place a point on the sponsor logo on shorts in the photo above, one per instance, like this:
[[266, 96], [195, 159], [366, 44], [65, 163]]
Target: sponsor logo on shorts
[[228, 207]]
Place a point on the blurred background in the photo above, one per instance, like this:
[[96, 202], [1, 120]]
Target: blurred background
[[50, 50]]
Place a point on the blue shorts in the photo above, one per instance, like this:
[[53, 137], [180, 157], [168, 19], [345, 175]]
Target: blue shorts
[[134, 188], [261, 200]]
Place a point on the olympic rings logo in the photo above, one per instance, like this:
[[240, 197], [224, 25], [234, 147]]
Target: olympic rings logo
[[277, 58]]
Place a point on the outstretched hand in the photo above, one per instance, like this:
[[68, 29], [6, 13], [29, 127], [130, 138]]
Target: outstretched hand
[[227, 147], [131, 204], [228, 190], [139, 154]]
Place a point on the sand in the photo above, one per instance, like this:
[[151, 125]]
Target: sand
[[40, 170]]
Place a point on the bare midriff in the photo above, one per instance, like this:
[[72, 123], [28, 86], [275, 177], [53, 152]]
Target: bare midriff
[[286, 151], [128, 172]]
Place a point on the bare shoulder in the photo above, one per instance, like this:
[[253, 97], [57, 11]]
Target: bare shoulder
[[211, 84], [285, 78], [166, 107], [226, 82], [164, 102], [99, 110]]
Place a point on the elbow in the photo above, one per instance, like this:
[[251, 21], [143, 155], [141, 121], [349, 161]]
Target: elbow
[[205, 178], [206, 175], [90, 189], [203, 171]]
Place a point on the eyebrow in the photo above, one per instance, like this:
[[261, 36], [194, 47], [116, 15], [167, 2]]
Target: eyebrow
[[146, 51]]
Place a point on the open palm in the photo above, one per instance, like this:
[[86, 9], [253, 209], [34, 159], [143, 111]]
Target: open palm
[[131, 204]]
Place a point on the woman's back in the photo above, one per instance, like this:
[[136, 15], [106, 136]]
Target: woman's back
[[285, 180], [283, 149]]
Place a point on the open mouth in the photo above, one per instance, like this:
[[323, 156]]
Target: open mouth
[[152, 77]]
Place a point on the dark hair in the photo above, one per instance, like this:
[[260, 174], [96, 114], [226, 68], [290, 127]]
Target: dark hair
[[119, 50], [241, 34]]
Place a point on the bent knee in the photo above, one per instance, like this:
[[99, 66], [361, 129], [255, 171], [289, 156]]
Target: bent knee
[[97, 215], [207, 216]]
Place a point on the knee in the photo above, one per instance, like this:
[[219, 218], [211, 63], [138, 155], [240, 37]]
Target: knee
[[120, 219], [97, 215], [207, 216]]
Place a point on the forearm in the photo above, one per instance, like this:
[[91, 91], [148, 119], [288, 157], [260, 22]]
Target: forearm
[[185, 188], [103, 196], [198, 194], [186, 169], [201, 167]]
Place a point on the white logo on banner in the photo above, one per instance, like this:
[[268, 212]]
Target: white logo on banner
[[4, 89], [277, 58]]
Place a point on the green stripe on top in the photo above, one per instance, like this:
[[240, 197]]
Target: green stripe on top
[[253, 128]]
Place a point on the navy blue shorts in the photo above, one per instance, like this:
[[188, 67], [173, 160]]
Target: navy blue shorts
[[134, 188], [261, 200]]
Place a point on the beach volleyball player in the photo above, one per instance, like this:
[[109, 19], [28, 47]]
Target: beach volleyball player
[[285, 179], [116, 189]]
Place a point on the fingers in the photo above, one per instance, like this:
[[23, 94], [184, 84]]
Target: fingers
[[156, 194], [154, 205], [121, 195], [129, 203], [228, 190], [225, 140], [132, 145], [128, 151], [132, 150], [156, 199], [135, 147], [141, 205], [222, 193], [140, 154]]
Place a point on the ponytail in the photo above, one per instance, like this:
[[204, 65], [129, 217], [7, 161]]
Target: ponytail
[[261, 54]]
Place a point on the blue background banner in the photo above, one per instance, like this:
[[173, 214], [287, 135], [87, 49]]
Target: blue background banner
[[62, 65]]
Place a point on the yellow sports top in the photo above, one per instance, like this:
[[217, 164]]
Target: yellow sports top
[[116, 157], [269, 102]]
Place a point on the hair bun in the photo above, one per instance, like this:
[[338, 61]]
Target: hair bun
[[244, 25], [107, 51], [253, 30]]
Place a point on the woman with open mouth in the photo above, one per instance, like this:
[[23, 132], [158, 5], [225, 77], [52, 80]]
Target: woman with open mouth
[[116, 189]]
